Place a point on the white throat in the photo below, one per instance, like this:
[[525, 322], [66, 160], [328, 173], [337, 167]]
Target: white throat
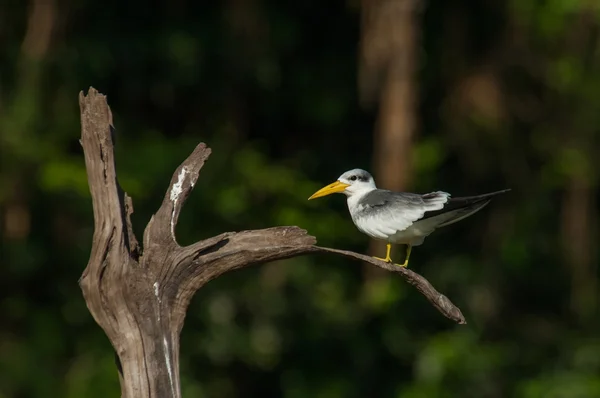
[[355, 196]]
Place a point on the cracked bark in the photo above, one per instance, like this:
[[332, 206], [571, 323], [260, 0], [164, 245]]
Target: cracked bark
[[139, 294]]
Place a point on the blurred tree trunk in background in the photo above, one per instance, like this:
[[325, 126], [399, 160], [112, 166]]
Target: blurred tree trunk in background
[[578, 220], [579, 217], [41, 22], [388, 53]]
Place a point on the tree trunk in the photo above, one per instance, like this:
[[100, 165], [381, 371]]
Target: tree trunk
[[390, 32]]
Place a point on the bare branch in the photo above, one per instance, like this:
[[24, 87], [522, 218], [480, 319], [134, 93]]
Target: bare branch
[[109, 233], [260, 246], [99, 155], [162, 226], [439, 301]]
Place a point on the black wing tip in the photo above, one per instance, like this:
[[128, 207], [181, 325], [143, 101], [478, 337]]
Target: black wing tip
[[490, 194], [469, 200]]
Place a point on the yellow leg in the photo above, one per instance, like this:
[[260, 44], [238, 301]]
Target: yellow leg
[[387, 258], [408, 250]]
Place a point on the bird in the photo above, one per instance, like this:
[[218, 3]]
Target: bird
[[400, 217]]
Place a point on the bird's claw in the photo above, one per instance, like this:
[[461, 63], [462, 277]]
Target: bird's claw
[[387, 260]]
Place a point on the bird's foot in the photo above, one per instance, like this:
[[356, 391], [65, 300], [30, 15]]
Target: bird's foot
[[387, 259], [405, 263]]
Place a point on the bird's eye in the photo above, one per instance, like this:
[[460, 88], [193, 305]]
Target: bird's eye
[[353, 178]]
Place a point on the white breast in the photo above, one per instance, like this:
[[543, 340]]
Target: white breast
[[393, 230]]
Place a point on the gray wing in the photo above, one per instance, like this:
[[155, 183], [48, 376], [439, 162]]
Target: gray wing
[[383, 213]]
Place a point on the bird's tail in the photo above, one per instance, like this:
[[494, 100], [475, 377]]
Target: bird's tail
[[457, 209]]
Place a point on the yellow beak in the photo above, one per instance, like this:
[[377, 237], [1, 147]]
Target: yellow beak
[[329, 189]]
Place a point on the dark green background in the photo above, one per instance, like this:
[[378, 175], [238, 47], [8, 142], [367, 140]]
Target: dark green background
[[509, 97]]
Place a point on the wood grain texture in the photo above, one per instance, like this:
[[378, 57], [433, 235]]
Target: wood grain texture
[[139, 295]]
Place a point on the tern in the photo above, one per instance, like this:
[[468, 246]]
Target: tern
[[400, 217]]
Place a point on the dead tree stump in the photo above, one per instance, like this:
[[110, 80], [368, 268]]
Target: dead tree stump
[[139, 294]]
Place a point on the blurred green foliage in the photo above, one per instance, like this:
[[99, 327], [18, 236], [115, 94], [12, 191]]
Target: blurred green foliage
[[510, 94]]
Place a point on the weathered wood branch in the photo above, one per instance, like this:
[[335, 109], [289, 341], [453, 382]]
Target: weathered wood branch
[[139, 295]]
